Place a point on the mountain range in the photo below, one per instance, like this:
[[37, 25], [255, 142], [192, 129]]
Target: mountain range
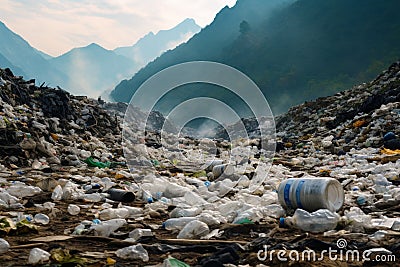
[[294, 50], [92, 69]]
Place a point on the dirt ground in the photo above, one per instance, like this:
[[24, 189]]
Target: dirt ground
[[89, 250]]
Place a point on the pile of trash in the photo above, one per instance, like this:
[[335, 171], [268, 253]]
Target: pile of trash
[[41, 126], [69, 195], [355, 118]]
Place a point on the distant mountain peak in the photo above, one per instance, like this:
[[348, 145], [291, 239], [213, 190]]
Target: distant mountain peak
[[94, 46], [188, 21], [186, 24], [153, 45]]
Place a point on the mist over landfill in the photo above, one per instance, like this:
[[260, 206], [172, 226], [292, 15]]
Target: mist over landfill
[[88, 182]]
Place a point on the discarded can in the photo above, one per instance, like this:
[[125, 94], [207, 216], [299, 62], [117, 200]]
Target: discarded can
[[225, 169], [311, 194], [121, 195]]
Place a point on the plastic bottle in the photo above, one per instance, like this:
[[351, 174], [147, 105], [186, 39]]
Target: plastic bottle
[[194, 229], [57, 193], [316, 222], [135, 252], [38, 255], [22, 190], [95, 197], [4, 246], [180, 212], [311, 194], [177, 223], [41, 218], [121, 195], [194, 199], [73, 209], [147, 197], [105, 228], [111, 213], [381, 184], [134, 212]]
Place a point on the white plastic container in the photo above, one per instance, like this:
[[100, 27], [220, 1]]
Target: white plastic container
[[311, 194]]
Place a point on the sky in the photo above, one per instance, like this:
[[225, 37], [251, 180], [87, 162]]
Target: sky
[[57, 26]]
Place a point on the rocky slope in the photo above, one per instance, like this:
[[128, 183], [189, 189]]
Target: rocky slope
[[45, 116], [354, 118]]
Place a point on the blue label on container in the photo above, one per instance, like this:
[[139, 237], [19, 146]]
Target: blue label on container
[[298, 190], [286, 193]]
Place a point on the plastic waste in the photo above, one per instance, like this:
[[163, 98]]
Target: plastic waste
[[379, 235], [138, 233], [93, 163], [41, 218], [177, 223], [194, 199], [36, 165], [135, 252], [106, 228], [253, 215], [209, 219], [311, 194], [111, 213], [194, 229], [70, 191], [316, 222], [181, 212], [57, 193], [357, 219], [121, 195], [172, 262], [147, 197], [28, 144], [388, 136], [4, 246], [134, 212], [95, 197], [73, 209], [38, 255], [22, 190], [274, 210]]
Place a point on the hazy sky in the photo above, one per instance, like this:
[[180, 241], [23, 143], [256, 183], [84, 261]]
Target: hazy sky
[[56, 26]]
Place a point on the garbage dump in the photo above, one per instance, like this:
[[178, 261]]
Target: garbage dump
[[69, 196]]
